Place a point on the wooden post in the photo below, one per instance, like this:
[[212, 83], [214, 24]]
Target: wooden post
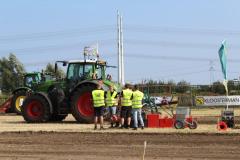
[[144, 149]]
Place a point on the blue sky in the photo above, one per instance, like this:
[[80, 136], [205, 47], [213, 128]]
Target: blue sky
[[163, 40]]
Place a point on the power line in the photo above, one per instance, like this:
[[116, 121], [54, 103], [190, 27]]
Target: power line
[[53, 47], [179, 30], [175, 58], [177, 44], [113, 41], [111, 29], [159, 58], [57, 34]]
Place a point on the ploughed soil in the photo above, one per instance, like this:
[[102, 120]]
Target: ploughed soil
[[105, 146]]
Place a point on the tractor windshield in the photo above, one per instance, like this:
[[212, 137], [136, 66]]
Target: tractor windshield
[[30, 79], [82, 71]]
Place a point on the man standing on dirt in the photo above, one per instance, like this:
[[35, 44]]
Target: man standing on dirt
[[137, 107], [126, 103], [99, 104], [112, 102]]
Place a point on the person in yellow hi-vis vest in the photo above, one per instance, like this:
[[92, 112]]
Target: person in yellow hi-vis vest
[[98, 104], [137, 107], [126, 105], [111, 103]]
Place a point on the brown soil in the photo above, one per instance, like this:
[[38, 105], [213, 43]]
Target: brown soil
[[106, 146]]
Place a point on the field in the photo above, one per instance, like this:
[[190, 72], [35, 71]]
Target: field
[[70, 140], [106, 146]]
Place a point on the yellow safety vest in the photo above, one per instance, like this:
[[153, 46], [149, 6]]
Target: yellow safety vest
[[126, 97], [137, 99], [110, 99], [98, 98]]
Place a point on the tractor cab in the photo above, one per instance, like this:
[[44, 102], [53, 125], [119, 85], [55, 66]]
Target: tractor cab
[[85, 70], [32, 78], [35, 78]]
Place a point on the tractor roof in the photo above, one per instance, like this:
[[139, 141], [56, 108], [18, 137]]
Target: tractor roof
[[88, 61]]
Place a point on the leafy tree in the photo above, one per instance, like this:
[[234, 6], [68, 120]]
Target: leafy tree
[[172, 86], [12, 71], [182, 86], [218, 88]]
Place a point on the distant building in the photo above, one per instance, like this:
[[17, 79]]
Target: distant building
[[236, 81]]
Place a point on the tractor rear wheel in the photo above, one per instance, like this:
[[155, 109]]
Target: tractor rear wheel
[[82, 106], [17, 101], [36, 109]]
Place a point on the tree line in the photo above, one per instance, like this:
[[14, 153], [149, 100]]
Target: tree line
[[12, 73], [183, 87]]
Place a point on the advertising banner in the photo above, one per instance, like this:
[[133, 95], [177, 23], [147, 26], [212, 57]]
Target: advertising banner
[[217, 100]]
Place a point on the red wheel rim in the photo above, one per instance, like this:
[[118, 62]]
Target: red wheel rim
[[84, 104], [35, 109], [222, 126]]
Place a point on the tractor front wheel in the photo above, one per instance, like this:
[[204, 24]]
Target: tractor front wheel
[[82, 106], [36, 109]]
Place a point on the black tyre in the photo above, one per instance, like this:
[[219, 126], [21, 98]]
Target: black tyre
[[179, 125], [81, 104], [36, 109], [17, 101], [192, 125], [56, 95]]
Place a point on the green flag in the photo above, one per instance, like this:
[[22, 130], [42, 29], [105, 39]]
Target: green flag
[[223, 61]]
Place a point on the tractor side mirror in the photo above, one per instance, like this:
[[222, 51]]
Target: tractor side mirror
[[56, 67], [64, 64]]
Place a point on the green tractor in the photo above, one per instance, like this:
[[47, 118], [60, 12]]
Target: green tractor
[[32, 81], [69, 95]]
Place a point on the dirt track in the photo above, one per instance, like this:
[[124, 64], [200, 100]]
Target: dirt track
[[71, 140], [57, 146], [13, 123]]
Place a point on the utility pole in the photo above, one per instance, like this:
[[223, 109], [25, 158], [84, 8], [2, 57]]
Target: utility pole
[[119, 49], [122, 62]]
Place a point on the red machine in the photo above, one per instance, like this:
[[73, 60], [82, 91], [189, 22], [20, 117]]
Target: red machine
[[183, 119], [5, 107]]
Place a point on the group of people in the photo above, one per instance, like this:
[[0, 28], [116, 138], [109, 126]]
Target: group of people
[[129, 102]]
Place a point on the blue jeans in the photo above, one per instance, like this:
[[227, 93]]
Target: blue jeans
[[112, 110], [137, 115]]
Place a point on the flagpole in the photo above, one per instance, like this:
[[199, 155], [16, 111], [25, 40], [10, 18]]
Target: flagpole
[[227, 95], [226, 81]]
